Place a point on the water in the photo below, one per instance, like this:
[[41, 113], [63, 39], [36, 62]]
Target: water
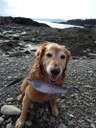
[[57, 25]]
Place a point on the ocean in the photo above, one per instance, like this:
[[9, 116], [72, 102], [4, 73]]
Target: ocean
[[57, 25]]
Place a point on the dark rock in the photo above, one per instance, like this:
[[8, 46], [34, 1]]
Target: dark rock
[[27, 21], [17, 54], [21, 21], [27, 52], [1, 120], [88, 23], [62, 126], [15, 38], [8, 45], [92, 55]]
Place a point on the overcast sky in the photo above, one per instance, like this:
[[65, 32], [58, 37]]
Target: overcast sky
[[62, 9]]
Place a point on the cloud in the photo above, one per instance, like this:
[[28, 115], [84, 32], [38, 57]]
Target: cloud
[[3, 6], [66, 9]]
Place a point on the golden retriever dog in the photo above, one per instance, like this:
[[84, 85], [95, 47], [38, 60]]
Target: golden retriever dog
[[49, 66]]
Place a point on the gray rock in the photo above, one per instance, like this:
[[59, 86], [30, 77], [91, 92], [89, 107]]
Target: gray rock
[[1, 34], [1, 120], [9, 77], [9, 125], [9, 120], [1, 53], [71, 115], [10, 110], [90, 71], [28, 123], [23, 33], [52, 120], [93, 125], [62, 126], [88, 86], [16, 35], [9, 99], [30, 47], [93, 55]]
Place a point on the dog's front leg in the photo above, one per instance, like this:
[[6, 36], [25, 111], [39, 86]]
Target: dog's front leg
[[25, 106], [53, 103]]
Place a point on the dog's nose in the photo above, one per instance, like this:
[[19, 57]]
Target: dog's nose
[[55, 71]]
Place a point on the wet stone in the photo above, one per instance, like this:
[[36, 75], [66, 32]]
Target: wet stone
[[1, 120], [28, 123], [62, 126], [10, 110], [52, 120], [93, 125], [9, 125], [8, 120]]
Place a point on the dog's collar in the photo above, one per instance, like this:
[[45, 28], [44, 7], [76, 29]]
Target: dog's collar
[[45, 87]]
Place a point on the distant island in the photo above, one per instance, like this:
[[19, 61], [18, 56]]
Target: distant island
[[80, 22]]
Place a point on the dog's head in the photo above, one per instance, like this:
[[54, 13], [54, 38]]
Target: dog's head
[[53, 59]]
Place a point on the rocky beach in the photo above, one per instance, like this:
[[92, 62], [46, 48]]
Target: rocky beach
[[19, 39]]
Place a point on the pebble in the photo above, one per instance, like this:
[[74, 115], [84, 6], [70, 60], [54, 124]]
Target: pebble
[[9, 99], [28, 123], [71, 115], [10, 110], [93, 125], [1, 120], [23, 33], [15, 35], [90, 71], [9, 77], [52, 120], [88, 86], [62, 126], [9, 120], [9, 125]]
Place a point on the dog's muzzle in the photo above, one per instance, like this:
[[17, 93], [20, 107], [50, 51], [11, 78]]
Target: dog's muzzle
[[55, 71]]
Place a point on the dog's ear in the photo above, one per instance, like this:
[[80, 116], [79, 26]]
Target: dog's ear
[[68, 53], [68, 57], [40, 52]]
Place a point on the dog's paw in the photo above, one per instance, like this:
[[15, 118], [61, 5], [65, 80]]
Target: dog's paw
[[19, 123], [55, 112]]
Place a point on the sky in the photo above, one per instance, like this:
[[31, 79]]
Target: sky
[[62, 9]]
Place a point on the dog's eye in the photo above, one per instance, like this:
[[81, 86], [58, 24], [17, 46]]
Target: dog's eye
[[62, 56], [49, 55]]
